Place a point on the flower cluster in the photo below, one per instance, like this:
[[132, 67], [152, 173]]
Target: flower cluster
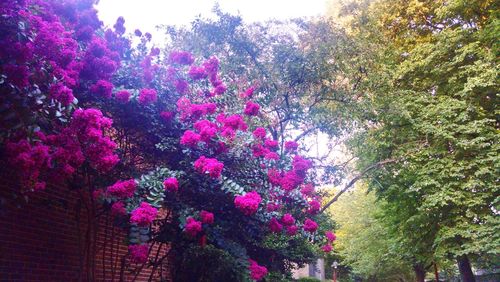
[[248, 204], [171, 184], [257, 272], [58, 156], [310, 226], [207, 217], [143, 215], [122, 189], [209, 166], [147, 96], [193, 227]]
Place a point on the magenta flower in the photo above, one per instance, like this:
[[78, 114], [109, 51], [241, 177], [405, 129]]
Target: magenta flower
[[330, 236], [147, 96], [275, 226], [310, 226], [207, 217], [209, 166], [257, 272], [292, 230], [248, 204], [193, 227], [287, 219], [259, 133], [171, 184], [122, 189], [190, 139], [252, 109], [102, 88], [122, 96], [181, 58], [118, 209], [291, 146], [143, 215]]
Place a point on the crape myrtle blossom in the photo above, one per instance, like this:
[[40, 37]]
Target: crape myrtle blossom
[[310, 226], [257, 272], [207, 217], [178, 100], [193, 227], [248, 204], [209, 166], [143, 215], [122, 189], [171, 184]]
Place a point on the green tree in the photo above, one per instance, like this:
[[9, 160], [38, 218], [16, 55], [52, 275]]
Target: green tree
[[435, 116], [364, 241]]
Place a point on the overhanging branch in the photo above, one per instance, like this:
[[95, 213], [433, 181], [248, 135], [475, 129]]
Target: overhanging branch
[[354, 180]]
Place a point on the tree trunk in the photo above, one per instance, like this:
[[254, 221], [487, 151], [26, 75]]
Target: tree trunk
[[465, 269], [436, 273], [419, 272]]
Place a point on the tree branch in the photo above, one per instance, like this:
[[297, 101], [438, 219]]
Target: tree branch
[[354, 180]]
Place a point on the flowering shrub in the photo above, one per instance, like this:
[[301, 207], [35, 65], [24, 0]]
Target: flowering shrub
[[202, 149]]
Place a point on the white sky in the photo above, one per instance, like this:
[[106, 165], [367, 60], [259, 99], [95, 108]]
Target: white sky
[[146, 14]]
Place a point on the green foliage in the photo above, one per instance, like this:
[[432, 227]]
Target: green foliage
[[435, 112], [308, 279], [364, 239]]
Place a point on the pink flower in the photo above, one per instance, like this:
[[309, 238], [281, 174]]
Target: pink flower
[[252, 109], [310, 226], [62, 94], [271, 156], [292, 230], [314, 207], [211, 65], [274, 177], [290, 181], [122, 189], [291, 146], [207, 165], [248, 204], [147, 96], [307, 189], [143, 215], [118, 209], [248, 93], [257, 272], [327, 248], [171, 184], [197, 73], [271, 144], [181, 58], [181, 86], [287, 219], [102, 88], [190, 139], [122, 96], [193, 227], [207, 129], [220, 88], [330, 236], [138, 253], [259, 133], [275, 226], [258, 151], [235, 122], [272, 207], [207, 217]]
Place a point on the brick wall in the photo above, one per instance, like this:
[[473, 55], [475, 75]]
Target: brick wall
[[41, 240]]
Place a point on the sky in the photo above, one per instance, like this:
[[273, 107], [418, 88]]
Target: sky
[[147, 14]]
